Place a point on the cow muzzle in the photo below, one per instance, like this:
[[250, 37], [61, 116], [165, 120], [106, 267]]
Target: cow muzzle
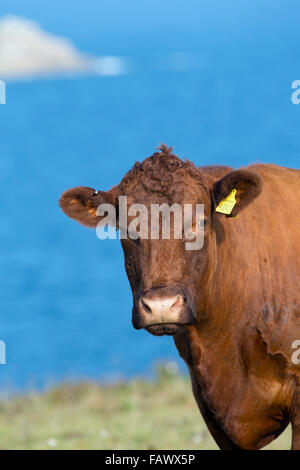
[[162, 314]]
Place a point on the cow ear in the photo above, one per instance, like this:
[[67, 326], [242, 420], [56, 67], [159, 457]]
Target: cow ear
[[235, 191], [81, 204]]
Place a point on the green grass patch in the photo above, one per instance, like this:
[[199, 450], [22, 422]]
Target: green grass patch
[[138, 414]]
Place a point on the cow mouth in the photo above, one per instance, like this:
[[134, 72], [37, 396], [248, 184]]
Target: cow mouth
[[160, 329]]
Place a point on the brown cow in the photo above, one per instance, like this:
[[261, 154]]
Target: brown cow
[[233, 306]]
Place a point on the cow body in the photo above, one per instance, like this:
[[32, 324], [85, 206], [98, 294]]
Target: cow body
[[239, 353], [239, 341]]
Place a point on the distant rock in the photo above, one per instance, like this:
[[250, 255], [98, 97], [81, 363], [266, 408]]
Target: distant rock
[[27, 51]]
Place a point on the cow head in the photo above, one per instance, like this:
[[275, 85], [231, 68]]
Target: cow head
[[167, 280]]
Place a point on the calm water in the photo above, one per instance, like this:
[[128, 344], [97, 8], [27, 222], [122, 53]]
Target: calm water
[[65, 300]]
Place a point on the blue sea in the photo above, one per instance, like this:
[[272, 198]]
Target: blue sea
[[218, 92]]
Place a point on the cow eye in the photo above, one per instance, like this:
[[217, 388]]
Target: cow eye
[[133, 240], [196, 228], [203, 223]]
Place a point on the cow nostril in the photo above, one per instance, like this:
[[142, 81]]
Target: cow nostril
[[178, 303], [160, 306], [158, 309], [145, 306]]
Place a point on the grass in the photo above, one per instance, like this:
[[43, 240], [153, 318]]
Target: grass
[[138, 414]]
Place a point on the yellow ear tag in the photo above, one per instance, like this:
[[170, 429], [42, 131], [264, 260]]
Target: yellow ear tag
[[226, 206]]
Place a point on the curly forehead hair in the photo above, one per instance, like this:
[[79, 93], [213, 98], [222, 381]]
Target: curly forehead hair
[[158, 172]]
